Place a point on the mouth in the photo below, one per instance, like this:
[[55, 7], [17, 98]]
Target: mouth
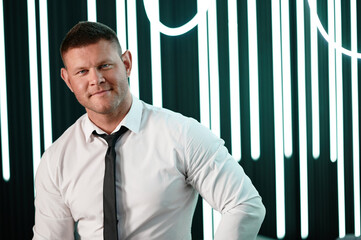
[[99, 93]]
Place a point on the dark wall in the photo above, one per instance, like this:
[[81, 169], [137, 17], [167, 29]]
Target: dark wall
[[180, 77]]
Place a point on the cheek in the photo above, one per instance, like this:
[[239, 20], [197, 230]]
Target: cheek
[[80, 87], [117, 78]]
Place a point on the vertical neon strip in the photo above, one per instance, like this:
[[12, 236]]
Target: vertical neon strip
[[92, 10], [340, 147], [332, 83], [203, 71], [355, 120], [48, 136], [34, 92], [286, 78], [133, 46], [302, 120], [213, 68], [214, 83], [121, 24], [204, 108], [207, 221], [156, 59], [314, 88], [5, 156], [234, 79], [278, 121], [253, 78]]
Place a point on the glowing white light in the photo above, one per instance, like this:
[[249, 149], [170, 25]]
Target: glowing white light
[[234, 79], [340, 147], [278, 121], [333, 44], [34, 93], [154, 19], [121, 23], [207, 221], [45, 73], [332, 83], [213, 68], [133, 46], [204, 109], [5, 156], [286, 79], [92, 10], [314, 88], [253, 78], [203, 72], [355, 120], [156, 60], [214, 83], [302, 121]]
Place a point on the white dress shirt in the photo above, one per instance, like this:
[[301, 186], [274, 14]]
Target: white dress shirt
[[163, 162]]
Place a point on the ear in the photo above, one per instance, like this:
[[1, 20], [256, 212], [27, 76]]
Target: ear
[[65, 77], [127, 60]]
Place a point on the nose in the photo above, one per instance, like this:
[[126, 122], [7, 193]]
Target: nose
[[95, 76]]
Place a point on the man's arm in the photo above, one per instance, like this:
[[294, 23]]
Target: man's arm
[[221, 181], [53, 219], [242, 222]]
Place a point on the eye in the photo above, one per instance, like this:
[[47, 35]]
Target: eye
[[81, 72], [105, 66]]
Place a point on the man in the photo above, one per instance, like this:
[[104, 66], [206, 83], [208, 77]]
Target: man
[[162, 161]]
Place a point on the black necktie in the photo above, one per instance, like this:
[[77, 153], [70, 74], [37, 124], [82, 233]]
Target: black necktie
[[109, 203]]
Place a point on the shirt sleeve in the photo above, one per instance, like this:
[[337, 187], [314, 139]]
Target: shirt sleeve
[[221, 181], [53, 219]]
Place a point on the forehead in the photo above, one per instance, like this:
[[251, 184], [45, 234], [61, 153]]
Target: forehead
[[100, 51]]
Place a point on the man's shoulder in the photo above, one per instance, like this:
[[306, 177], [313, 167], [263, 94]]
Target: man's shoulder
[[163, 114], [163, 119], [53, 156], [72, 134]]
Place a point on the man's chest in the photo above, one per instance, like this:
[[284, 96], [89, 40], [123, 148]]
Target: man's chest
[[142, 182]]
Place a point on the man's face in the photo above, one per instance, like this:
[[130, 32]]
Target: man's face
[[98, 76]]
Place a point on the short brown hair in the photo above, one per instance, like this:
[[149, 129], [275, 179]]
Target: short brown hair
[[86, 33]]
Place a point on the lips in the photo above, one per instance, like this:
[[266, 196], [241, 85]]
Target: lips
[[99, 92]]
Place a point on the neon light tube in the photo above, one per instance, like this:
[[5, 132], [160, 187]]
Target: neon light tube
[[45, 73], [5, 155], [207, 221], [314, 90], [133, 46], [302, 121], [234, 80], [203, 72], [92, 10], [34, 92], [331, 82], [214, 83], [286, 79], [253, 79], [121, 23], [204, 109], [278, 121], [327, 37], [355, 120], [213, 68], [202, 10], [156, 60], [340, 147]]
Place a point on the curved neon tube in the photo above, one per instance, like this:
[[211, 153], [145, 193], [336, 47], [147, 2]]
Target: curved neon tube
[[155, 22], [334, 44]]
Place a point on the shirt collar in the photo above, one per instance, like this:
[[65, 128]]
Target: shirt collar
[[132, 121]]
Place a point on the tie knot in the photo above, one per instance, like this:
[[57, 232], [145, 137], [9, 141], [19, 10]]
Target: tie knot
[[111, 139]]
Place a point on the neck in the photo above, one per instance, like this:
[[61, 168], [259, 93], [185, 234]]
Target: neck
[[109, 121]]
